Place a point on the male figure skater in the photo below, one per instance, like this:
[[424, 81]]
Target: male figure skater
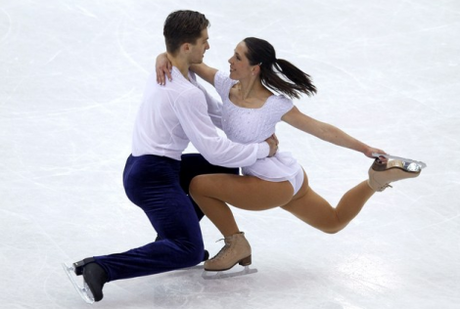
[[169, 118]]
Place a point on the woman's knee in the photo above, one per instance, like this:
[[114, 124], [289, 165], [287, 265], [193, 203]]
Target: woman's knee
[[199, 185], [318, 215], [333, 227], [332, 230]]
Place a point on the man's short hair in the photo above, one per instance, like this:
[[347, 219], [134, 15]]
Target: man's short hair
[[183, 27]]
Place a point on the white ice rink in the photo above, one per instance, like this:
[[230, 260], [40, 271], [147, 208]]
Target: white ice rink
[[71, 78]]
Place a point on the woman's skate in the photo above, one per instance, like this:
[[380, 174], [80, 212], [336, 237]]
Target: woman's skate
[[382, 174]]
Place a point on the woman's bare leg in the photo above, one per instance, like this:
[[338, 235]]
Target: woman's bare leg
[[212, 192], [308, 206]]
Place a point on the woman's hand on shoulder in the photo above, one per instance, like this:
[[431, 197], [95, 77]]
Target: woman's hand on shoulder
[[163, 69]]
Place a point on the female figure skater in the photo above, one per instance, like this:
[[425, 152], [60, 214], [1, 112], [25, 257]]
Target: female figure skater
[[250, 113]]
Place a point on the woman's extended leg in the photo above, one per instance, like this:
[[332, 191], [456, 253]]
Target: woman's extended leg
[[311, 208], [211, 192]]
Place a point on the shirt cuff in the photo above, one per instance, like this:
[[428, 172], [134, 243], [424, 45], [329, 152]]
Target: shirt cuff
[[263, 151]]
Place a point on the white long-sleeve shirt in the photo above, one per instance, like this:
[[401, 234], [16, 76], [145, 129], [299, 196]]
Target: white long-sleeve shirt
[[180, 112]]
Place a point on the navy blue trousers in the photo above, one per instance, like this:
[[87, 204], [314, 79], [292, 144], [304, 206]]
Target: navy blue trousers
[[159, 186]]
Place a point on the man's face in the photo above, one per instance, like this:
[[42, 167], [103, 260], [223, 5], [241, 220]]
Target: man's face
[[198, 49]]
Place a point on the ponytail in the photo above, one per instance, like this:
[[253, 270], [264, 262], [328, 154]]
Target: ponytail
[[295, 81]]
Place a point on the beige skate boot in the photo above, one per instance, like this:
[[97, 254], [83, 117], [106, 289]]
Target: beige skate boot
[[236, 250], [381, 174]]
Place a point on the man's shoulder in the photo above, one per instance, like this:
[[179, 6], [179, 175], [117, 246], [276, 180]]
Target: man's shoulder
[[185, 92]]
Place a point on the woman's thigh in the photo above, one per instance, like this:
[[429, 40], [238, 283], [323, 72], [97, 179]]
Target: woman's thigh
[[310, 207], [245, 192]]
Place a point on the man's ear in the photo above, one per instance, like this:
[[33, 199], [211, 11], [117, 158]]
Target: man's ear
[[186, 47]]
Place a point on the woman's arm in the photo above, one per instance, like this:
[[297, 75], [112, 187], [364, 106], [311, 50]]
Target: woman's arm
[[163, 69], [205, 72], [327, 132]]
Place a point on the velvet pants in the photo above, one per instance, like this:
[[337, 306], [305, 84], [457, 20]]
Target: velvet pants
[[159, 186]]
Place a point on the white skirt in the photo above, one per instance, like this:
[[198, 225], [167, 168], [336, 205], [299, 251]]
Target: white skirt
[[280, 167]]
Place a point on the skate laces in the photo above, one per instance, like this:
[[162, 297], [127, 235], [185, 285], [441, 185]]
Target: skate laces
[[222, 251], [387, 185]]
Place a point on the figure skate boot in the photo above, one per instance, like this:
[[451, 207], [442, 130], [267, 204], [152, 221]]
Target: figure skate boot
[[382, 174], [236, 250], [94, 278]]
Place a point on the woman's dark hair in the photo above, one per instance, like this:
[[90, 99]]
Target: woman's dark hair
[[262, 53], [183, 27]]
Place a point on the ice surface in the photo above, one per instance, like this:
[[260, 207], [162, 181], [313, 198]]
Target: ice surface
[[72, 74]]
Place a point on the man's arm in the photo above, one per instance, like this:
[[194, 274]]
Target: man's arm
[[219, 150]]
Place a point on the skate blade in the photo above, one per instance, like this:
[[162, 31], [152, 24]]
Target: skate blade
[[83, 290], [228, 273], [408, 164]]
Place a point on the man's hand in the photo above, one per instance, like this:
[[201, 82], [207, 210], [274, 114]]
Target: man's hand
[[163, 68], [273, 144]]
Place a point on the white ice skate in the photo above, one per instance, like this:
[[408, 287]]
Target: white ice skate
[[228, 273], [82, 288], [409, 164]]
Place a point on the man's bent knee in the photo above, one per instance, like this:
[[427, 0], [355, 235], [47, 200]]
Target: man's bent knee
[[188, 252]]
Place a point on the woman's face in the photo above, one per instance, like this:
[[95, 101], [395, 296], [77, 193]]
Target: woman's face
[[239, 64]]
